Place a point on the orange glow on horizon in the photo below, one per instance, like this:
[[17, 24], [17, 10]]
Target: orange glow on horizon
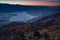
[[34, 3], [41, 4]]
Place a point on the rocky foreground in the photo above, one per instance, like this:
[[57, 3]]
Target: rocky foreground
[[47, 28]]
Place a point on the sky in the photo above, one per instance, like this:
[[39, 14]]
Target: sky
[[33, 2]]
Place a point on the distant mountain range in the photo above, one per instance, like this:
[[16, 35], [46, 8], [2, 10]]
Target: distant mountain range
[[8, 8], [6, 11]]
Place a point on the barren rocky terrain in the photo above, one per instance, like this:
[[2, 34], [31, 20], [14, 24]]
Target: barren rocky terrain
[[47, 28]]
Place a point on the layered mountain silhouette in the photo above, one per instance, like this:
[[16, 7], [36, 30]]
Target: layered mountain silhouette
[[9, 8], [46, 28]]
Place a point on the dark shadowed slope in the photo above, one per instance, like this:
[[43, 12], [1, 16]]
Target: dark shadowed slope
[[47, 21]]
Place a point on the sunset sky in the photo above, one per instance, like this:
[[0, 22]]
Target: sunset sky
[[33, 2]]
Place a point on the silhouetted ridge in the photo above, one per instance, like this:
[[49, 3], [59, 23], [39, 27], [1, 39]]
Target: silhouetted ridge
[[8, 8]]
